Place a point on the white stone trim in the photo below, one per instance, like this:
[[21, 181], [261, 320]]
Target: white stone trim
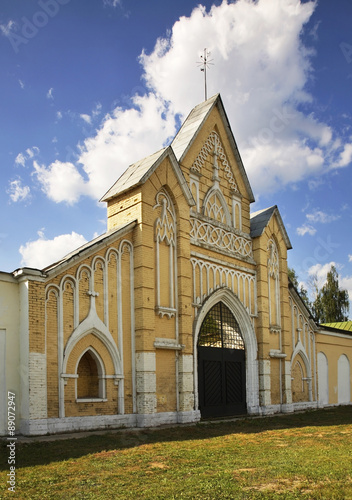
[[38, 387], [237, 202], [24, 350], [161, 343], [75, 424], [194, 180], [91, 400], [224, 263], [274, 272], [264, 382], [207, 233], [226, 274], [165, 418], [165, 230], [146, 382], [218, 209], [3, 386]]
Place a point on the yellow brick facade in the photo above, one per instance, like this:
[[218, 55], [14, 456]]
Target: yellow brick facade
[[118, 332]]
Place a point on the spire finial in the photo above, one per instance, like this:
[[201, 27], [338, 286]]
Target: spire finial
[[205, 62]]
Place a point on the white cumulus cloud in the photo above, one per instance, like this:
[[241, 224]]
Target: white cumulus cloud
[[22, 158], [43, 252], [86, 118], [320, 216], [321, 271], [345, 156], [17, 191], [60, 181], [306, 229], [8, 27], [261, 70]]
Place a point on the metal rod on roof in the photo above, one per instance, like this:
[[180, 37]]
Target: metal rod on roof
[[205, 62]]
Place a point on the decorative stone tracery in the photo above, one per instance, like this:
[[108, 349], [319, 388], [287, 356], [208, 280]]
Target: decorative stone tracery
[[165, 239], [214, 143]]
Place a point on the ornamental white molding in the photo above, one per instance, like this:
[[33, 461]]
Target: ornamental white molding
[[274, 286], [165, 232], [215, 206], [243, 285], [203, 231], [212, 143]]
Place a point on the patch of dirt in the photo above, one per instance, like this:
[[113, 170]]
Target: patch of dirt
[[158, 465]]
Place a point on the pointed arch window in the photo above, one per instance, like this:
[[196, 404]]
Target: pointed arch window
[[274, 285], [220, 329], [215, 207], [165, 240], [90, 380]]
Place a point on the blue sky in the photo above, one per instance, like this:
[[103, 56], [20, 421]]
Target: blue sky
[[87, 88]]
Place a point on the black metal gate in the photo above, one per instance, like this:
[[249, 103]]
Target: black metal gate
[[221, 365]]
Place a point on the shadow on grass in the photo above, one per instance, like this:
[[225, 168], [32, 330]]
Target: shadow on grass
[[45, 452]]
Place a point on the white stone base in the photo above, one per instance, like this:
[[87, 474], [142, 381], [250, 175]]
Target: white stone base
[[43, 426], [156, 419], [288, 408], [75, 424], [269, 410], [310, 405]]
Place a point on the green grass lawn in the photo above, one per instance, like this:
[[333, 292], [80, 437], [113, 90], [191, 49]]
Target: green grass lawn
[[306, 455]]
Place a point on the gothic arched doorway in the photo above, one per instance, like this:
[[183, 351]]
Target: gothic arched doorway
[[221, 364]]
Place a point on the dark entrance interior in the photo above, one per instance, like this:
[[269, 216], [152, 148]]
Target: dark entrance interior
[[221, 365]]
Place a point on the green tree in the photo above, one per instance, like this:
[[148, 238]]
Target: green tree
[[331, 304]]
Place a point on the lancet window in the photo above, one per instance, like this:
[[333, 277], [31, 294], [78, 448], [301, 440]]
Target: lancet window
[[215, 207], [274, 284], [165, 240], [90, 376]]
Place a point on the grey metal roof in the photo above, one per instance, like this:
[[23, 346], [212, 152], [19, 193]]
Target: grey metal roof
[[190, 127], [261, 218], [133, 175], [87, 247]]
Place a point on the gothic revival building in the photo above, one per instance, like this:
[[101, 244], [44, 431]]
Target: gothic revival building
[[181, 310]]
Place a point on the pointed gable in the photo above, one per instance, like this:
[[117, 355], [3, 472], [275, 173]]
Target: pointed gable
[[261, 219], [139, 172], [191, 129]]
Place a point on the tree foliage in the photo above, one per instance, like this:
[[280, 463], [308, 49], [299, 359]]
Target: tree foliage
[[331, 304]]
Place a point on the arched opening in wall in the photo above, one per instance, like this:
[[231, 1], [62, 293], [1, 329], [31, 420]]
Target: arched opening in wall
[[90, 381], [343, 377], [300, 388], [323, 379], [221, 364]]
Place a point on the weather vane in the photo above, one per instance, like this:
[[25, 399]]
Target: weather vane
[[205, 62]]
